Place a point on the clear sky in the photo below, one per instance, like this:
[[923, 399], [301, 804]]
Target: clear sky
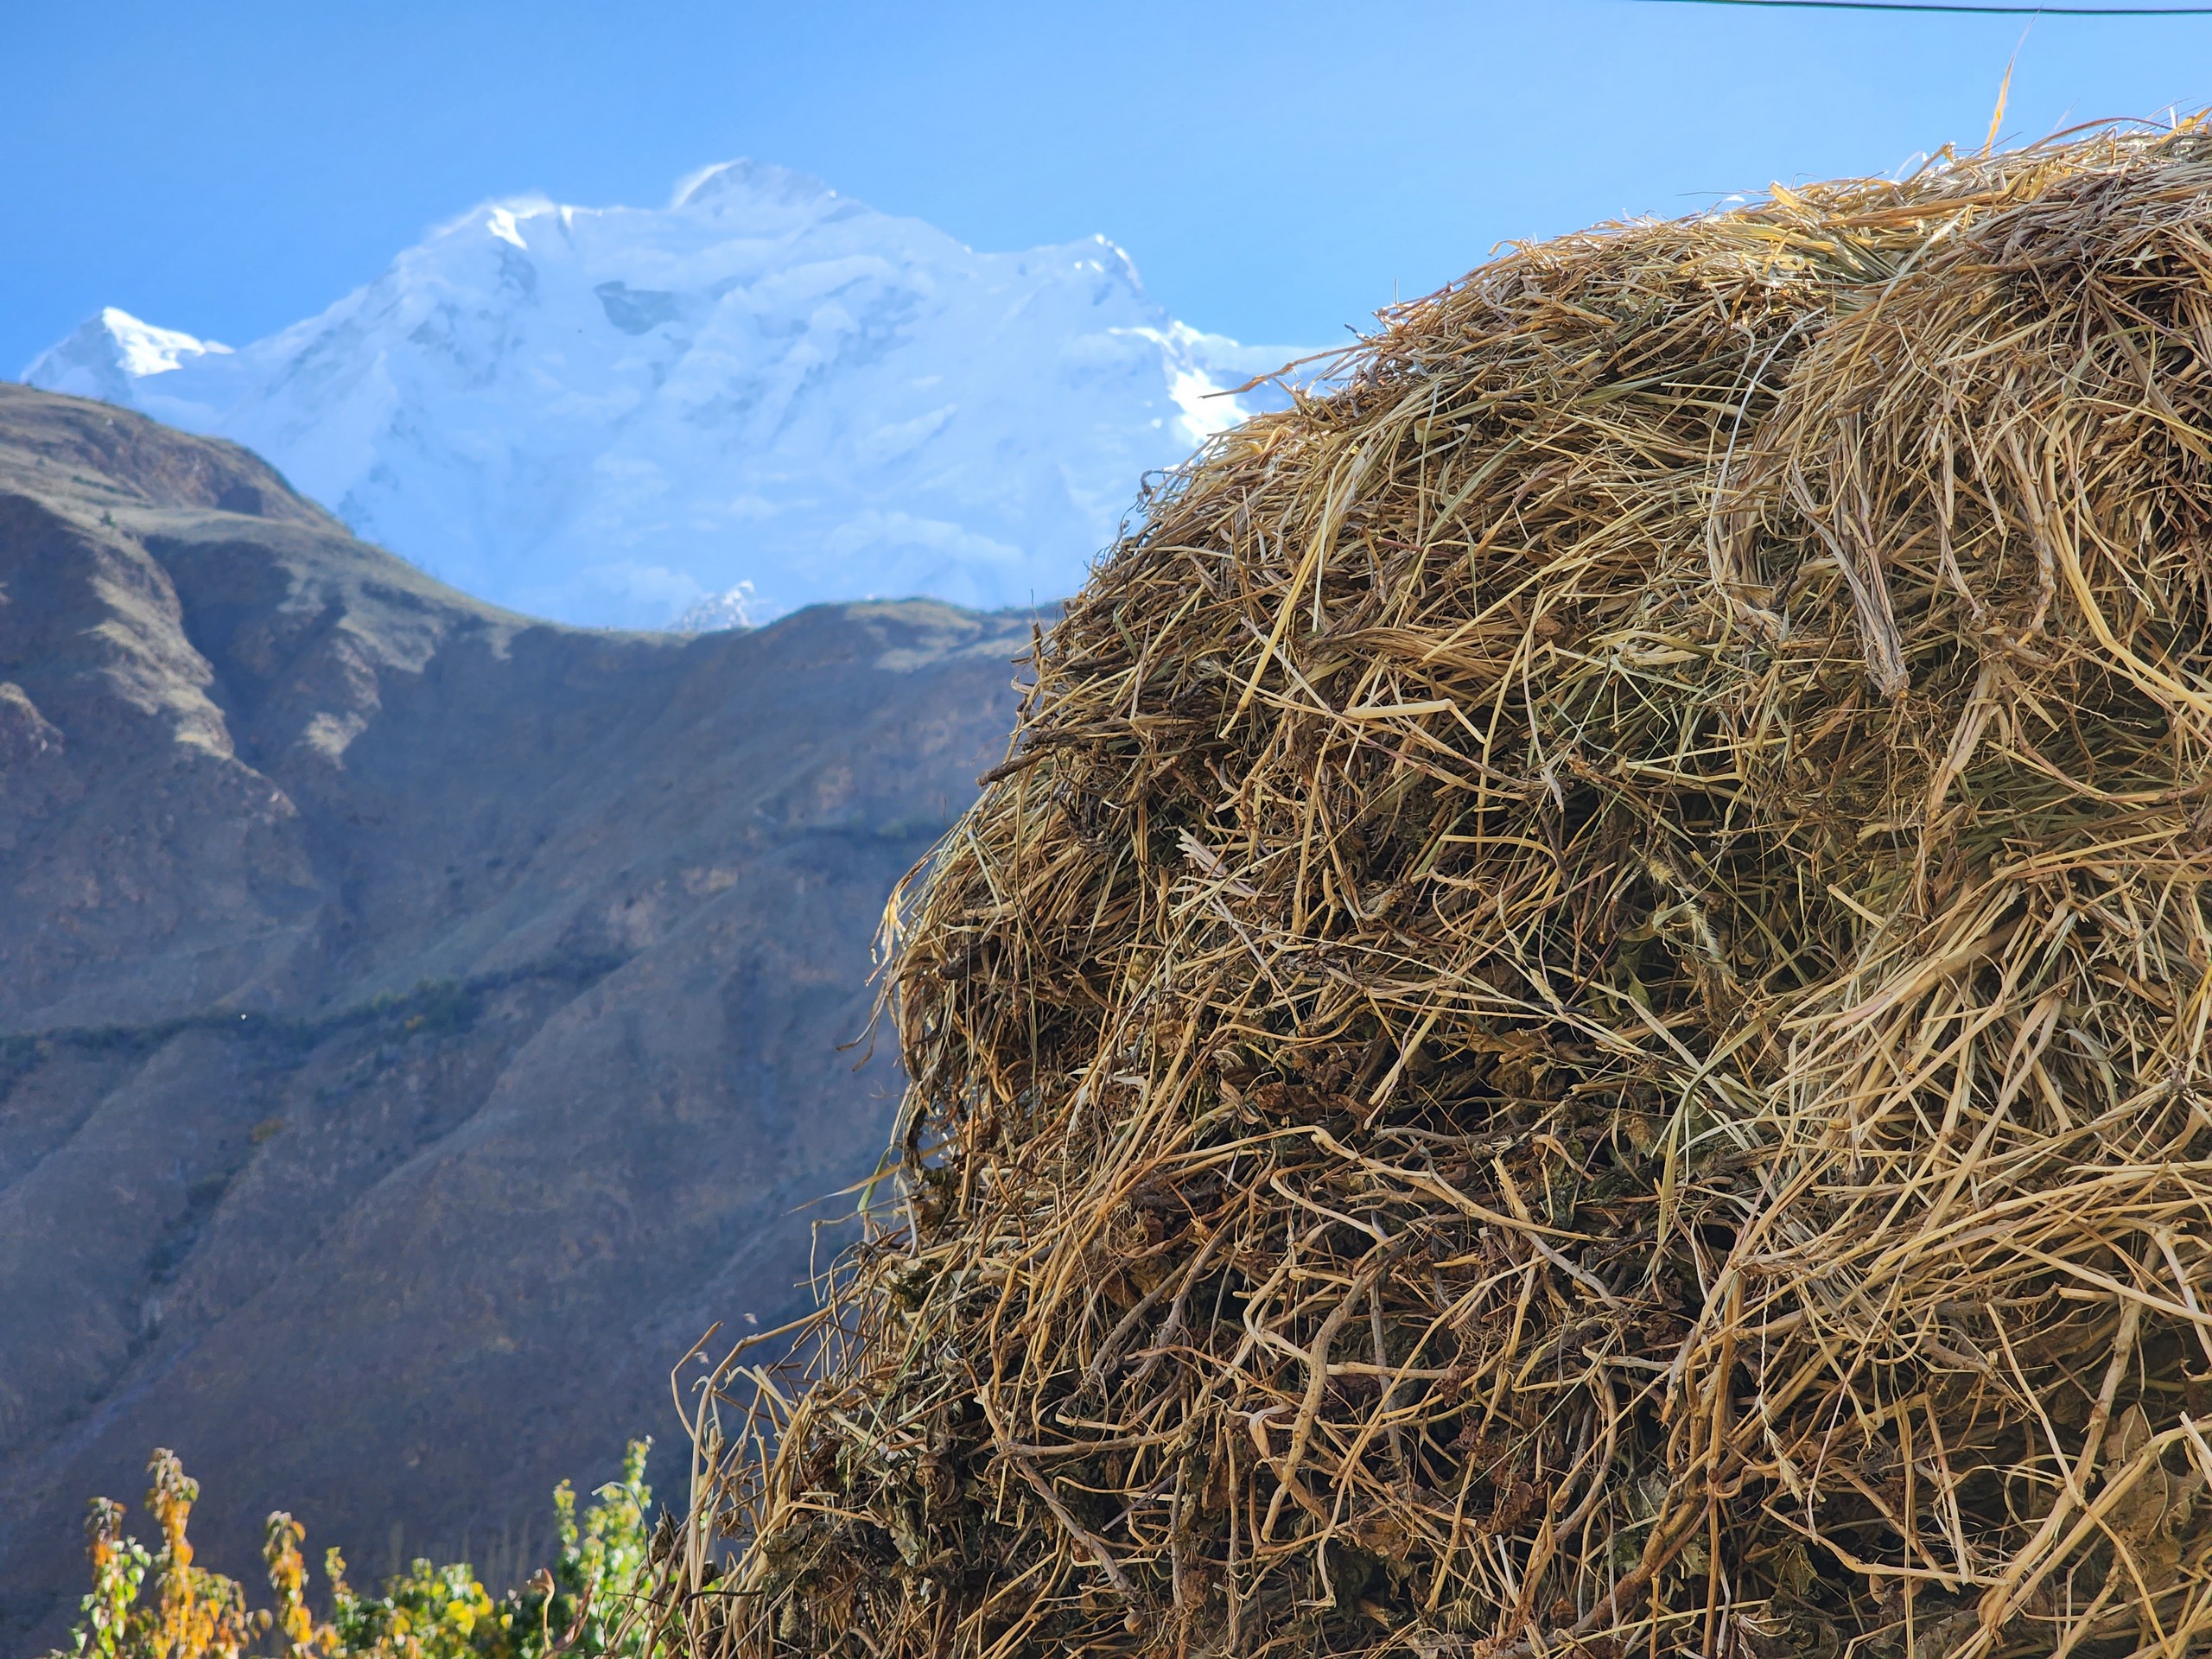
[[1277, 169]]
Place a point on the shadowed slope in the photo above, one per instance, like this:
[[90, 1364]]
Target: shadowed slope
[[416, 1022]]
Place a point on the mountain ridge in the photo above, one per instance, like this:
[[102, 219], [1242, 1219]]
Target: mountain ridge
[[610, 415], [419, 1022]]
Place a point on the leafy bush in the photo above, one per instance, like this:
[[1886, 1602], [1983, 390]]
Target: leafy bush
[[588, 1603]]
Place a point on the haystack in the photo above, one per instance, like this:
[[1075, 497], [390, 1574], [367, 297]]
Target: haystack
[[1578, 1022]]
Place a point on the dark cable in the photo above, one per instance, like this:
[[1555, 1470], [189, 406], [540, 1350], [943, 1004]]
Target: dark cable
[[1946, 6]]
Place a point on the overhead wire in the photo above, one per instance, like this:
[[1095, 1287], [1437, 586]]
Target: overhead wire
[[1951, 6]]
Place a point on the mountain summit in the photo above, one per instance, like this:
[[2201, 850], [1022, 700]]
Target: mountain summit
[[610, 415]]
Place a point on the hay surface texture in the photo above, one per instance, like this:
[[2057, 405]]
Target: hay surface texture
[[1578, 1023]]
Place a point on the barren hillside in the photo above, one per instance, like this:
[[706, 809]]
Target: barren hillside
[[417, 1022]]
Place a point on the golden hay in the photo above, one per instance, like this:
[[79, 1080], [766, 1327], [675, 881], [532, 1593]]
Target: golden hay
[[1578, 1023]]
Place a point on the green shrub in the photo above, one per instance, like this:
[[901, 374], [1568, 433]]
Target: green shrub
[[588, 1603]]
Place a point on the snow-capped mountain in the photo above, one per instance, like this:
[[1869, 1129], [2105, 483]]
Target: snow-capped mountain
[[613, 414]]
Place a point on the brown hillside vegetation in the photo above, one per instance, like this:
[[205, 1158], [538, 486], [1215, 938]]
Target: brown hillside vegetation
[[1578, 1023]]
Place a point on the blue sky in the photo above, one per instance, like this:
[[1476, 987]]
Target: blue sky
[[1277, 170]]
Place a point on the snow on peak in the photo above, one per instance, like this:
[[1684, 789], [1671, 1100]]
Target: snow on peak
[[761, 396], [143, 349], [717, 613], [500, 221], [113, 351], [734, 183]]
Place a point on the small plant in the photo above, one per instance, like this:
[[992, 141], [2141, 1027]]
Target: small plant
[[294, 1624], [597, 1584], [589, 1604], [119, 1566], [427, 1612]]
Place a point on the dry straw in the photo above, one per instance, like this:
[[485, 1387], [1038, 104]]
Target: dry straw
[[1578, 1023]]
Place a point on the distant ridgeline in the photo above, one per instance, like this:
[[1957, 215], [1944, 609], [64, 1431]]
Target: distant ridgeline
[[610, 416], [417, 1022]]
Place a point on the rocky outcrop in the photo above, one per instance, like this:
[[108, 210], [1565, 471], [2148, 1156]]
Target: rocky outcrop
[[417, 1022]]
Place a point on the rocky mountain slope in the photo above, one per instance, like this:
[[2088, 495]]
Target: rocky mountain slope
[[417, 1023], [604, 415]]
